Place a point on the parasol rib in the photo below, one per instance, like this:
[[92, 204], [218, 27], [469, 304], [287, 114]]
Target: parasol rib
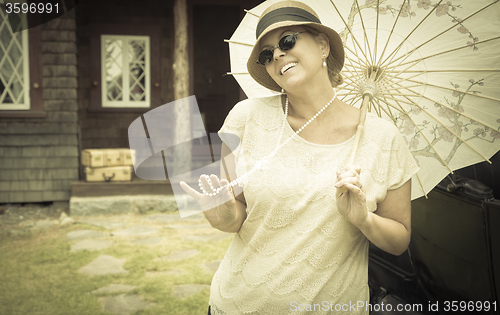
[[452, 27], [344, 97], [447, 128], [419, 130], [367, 43], [236, 73], [389, 114], [239, 43], [352, 83], [376, 33], [351, 97], [377, 109], [453, 70], [452, 90], [467, 143], [355, 69], [360, 65], [422, 186], [442, 53], [400, 94], [251, 13], [454, 110], [388, 74], [356, 61], [410, 86], [392, 31], [350, 89], [349, 70], [415, 62], [355, 54], [349, 29], [355, 99], [351, 64], [408, 36]]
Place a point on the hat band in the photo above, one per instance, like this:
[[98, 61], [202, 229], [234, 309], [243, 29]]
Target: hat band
[[284, 14]]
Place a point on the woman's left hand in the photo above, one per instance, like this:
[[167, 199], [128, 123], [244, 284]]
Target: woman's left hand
[[352, 202]]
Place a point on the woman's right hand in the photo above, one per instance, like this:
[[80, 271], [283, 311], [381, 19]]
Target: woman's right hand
[[219, 210]]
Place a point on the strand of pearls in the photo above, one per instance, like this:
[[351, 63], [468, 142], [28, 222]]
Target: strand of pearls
[[260, 164]]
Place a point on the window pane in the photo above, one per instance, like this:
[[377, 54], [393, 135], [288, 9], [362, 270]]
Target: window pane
[[137, 65], [5, 34], [114, 72], [11, 63]]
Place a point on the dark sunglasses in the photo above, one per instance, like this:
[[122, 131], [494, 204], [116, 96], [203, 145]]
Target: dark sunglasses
[[286, 43]]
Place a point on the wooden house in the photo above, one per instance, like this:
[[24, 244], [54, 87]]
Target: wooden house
[[52, 76]]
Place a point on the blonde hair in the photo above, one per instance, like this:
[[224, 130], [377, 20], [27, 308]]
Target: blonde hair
[[334, 68]]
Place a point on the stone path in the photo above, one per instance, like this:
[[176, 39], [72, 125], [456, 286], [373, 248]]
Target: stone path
[[185, 290], [179, 255], [102, 223], [120, 298], [83, 234], [90, 245], [207, 238], [148, 241], [97, 234], [104, 265], [136, 230], [115, 288], [212, 266], [124, 304]]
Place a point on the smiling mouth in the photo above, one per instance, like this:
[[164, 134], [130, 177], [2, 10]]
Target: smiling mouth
[[288, 66]]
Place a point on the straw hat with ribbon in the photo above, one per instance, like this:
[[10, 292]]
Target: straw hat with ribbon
[[291, 13]]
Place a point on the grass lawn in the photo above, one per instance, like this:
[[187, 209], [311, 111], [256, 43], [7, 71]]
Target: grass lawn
[[39, 274]]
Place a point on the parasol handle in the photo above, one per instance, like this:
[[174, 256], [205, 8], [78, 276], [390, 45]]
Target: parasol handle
[[359, 131]]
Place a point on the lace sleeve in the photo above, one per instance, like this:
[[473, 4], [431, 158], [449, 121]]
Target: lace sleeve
[[231, 132], [388, 161], [402, 164]]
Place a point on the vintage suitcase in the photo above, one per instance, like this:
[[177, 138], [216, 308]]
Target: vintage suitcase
[[107, 157], [108, 174]]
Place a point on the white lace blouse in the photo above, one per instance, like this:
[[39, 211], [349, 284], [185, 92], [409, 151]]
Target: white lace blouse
[[294, 253]]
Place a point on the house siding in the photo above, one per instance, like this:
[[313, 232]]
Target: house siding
[[39, 156]]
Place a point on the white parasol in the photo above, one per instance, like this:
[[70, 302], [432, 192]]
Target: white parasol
[[431, 67]]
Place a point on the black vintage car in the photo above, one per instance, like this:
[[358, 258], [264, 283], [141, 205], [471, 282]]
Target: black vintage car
[[453, 261]]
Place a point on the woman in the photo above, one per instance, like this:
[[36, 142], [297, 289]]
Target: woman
[[305, 218]]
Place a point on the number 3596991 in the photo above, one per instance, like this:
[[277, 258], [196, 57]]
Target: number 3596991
[[33, 8], [470, 306]]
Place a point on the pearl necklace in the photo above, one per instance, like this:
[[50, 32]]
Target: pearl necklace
[[260, 164]]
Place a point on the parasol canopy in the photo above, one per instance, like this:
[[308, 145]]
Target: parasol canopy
[[430, 67]]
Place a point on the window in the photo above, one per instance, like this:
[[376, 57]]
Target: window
[[125, 67], [14, 63], [20, 66]]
